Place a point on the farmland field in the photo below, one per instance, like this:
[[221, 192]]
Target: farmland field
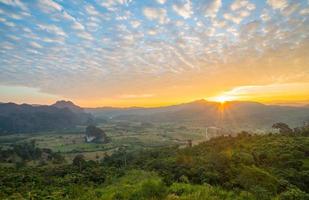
[[132, 136]]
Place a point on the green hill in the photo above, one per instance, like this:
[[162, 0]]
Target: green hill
[[274, 166]]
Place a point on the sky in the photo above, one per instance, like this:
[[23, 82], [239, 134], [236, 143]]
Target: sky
[[154, 53]]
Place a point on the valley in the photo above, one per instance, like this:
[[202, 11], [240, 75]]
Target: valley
[[131, 135]]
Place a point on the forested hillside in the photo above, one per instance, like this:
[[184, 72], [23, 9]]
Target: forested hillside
[[273, 166], [26, 118]]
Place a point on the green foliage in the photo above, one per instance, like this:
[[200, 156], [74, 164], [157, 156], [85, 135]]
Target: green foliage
[[98, 134], [283, 128], [255, 179], [192, 192], [246, 167], [264, 166], [294, 194], [27, 152]]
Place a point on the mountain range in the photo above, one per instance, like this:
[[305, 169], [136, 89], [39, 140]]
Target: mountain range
[[233, 115]]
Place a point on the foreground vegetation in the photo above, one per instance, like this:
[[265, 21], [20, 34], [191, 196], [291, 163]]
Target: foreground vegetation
[[273, 166]]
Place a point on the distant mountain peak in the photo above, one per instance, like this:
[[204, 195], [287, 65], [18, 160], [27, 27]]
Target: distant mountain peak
[[67, 104], [64, 102]]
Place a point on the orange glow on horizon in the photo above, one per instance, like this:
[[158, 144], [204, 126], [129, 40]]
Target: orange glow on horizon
[[283, 94]]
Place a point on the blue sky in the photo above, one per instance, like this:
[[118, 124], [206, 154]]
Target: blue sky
[[100, 51]]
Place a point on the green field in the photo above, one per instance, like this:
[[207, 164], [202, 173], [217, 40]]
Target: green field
[[132, 136]]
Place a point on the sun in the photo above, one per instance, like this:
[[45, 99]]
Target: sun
[[222, 99]]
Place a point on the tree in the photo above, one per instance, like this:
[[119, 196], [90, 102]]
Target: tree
[[283, 128], [78, 161], [95, 134]]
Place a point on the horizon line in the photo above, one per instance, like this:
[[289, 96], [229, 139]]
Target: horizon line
[[288, 104]]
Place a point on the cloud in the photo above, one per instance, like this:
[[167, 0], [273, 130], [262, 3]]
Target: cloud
[[219, 23], [210, 31], [49, 6], [152, 32], [304, 11], [179, 23], [161, 1], [79, 52], [11, 14], [213, 8], [110, 4], [231, 17], [56, 10], [13, 37], [124, 16], [91, 10], [15, 3], [58, 40], [277, 4], [92, 26], [184, 10], [10, 24], [85, 35], [68, 16], [249, 28], [135, 23], [53, 29], [158, 14], [265, 16], [268, 92], [239, 10], [35, 45], [7, 46], [233, 31], [78, 26], [290, 9], [239, 4]]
